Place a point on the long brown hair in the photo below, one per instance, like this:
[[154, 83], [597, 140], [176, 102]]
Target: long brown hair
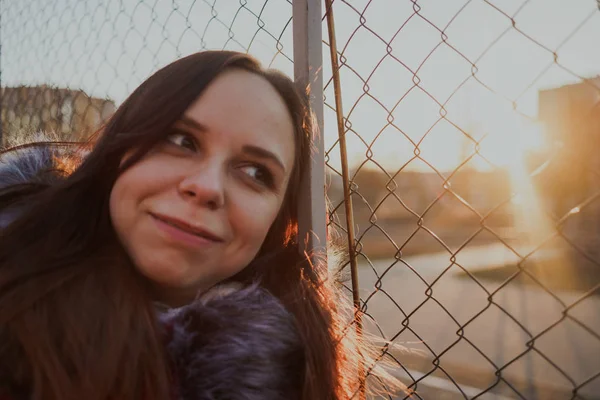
[[75, 320]]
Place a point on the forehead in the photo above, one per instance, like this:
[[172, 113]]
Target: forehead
[[244, 107]]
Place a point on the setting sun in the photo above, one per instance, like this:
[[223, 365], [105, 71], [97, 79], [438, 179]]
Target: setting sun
[[509, 138]]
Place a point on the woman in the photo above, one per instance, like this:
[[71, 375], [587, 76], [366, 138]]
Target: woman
[[187, 199]]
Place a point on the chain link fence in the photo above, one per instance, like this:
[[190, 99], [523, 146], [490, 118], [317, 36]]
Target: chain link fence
[[471, 129], [468, 148], [67, 64]]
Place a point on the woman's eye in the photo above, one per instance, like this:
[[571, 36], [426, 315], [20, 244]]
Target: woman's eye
[[259, 174], [182, 140]]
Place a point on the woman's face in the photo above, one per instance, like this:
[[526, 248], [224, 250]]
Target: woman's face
[[196, 209]]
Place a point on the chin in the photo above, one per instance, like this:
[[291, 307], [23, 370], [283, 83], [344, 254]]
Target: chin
[[171, 274]]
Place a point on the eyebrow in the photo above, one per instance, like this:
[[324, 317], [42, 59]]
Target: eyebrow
[[264, 154], [249, 149], [192, 123]]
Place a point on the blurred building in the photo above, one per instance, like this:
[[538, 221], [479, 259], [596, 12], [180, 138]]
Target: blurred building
[[69, 113], [482, 190], [571, 118]]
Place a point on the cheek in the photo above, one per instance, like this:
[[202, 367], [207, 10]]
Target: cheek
[[133, 227], [253, 220], [143, 180], [130, 190]]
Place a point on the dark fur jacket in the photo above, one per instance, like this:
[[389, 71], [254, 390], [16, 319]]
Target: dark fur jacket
[[231, 344]]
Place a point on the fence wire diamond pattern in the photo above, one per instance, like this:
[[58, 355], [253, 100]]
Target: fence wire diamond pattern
[[67, 63], [475, 217]]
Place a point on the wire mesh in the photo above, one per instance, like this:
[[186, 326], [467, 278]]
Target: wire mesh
[[67, 64], [471, 129]]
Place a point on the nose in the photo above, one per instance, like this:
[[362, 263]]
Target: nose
[[204, 186]]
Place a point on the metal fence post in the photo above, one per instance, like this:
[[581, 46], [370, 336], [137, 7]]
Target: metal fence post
[[308, 74]]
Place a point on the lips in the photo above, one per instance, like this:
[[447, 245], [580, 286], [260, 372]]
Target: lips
[[187, 228]]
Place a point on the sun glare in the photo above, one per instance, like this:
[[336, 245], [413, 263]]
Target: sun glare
[[506, 142]]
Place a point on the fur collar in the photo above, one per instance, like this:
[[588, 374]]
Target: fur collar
[[35, 165], [237, 344]]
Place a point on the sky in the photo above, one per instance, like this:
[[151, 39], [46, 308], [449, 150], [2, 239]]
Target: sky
[[107, 48]]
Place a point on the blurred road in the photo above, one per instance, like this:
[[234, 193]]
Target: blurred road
[[564, 340]]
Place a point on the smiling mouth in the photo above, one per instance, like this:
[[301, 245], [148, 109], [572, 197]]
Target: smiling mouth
[[187, 228]]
